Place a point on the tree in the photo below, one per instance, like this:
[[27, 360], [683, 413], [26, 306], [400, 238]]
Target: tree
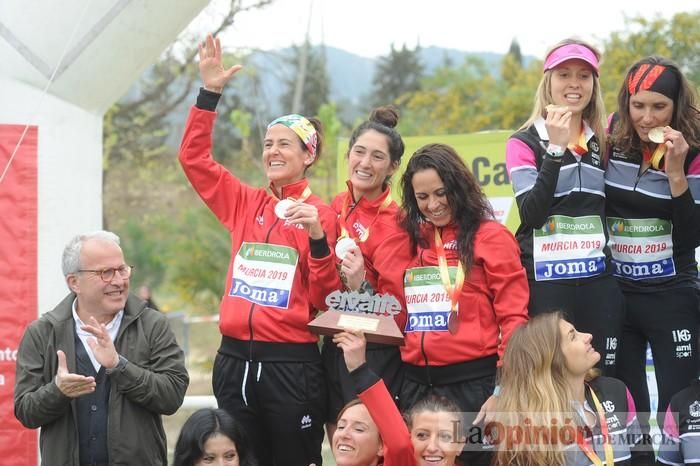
[[512, 64], [516, 92], [397, 74], [452, 100], [676, 39], [140, 132], [196, 258], [323, 173], [316, 83], [514, 52], [144, 191]]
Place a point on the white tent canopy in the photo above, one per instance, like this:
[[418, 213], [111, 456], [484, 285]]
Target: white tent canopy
[[95, 50]]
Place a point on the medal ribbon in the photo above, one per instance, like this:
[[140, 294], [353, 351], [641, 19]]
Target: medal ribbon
[[654, 158], [451, 290], [609, 456], [344, 232], [581, 147], [304, 195]]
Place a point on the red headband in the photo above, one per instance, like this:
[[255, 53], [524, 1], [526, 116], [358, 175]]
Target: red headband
[[655, 78]]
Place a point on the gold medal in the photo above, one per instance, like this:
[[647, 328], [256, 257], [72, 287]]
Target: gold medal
[[656, 135]]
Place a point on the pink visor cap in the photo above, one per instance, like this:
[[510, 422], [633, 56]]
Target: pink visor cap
[[571, 52]]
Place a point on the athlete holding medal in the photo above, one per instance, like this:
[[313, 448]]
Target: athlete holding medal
[[268, 372], [653, 216], [465, 291], [372, 249], [555, 162]]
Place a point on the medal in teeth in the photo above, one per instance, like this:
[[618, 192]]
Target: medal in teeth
[[656, 135]]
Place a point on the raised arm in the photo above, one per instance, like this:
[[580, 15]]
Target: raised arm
[[685, 187], [220, 190], [398, 449]]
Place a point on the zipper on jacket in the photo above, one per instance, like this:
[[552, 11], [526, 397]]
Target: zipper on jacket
[[580, 181], [252, 305], [640, 174]]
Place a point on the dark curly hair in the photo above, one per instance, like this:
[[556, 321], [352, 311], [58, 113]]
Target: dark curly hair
[[203, 424], [467, 201]]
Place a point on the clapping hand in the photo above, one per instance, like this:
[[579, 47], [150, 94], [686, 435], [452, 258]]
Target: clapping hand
[[101, 345], [72, 385]]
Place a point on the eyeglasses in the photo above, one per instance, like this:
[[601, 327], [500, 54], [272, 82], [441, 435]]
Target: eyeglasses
[[107, 275]]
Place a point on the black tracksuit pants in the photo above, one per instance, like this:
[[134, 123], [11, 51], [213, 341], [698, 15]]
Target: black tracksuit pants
[[280, 404], [668, 321]]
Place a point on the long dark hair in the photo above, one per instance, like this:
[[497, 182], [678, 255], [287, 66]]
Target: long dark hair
[[203, 424], [686, 116], [467, 201]]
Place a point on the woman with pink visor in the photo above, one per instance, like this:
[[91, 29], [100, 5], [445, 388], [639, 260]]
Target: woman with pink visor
[[556, 166]]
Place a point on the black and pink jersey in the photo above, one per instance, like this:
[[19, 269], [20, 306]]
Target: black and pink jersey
[[681, 430], [653, 235], [561, 203]]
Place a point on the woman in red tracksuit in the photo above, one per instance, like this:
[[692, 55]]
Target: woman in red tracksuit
[[268, 373], [466, 290], [379, 253], [371, 431]]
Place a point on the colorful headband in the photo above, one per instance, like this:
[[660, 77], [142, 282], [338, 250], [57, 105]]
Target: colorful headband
[[570, 52], [655, 78], [302, 127]]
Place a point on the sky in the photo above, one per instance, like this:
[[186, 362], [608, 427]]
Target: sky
[[369, 27]]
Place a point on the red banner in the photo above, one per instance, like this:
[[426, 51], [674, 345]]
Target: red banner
[[18, 280]]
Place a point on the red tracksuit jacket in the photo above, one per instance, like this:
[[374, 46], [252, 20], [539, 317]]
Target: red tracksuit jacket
[[387, 249], [492, 303], [267, 295]]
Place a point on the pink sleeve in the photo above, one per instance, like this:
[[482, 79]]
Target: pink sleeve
[[670, 426], [518, 154], [610, 118], [694, 168]]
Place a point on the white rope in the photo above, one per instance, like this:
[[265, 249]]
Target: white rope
[[40, 101]]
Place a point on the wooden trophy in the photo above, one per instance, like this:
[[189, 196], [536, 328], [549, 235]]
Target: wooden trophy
[[372, 314]]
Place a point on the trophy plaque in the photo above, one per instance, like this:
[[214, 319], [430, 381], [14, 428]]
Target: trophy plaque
[[371, 314]]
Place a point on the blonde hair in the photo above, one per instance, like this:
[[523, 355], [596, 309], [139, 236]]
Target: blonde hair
[[594, 113], [534, 388]]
